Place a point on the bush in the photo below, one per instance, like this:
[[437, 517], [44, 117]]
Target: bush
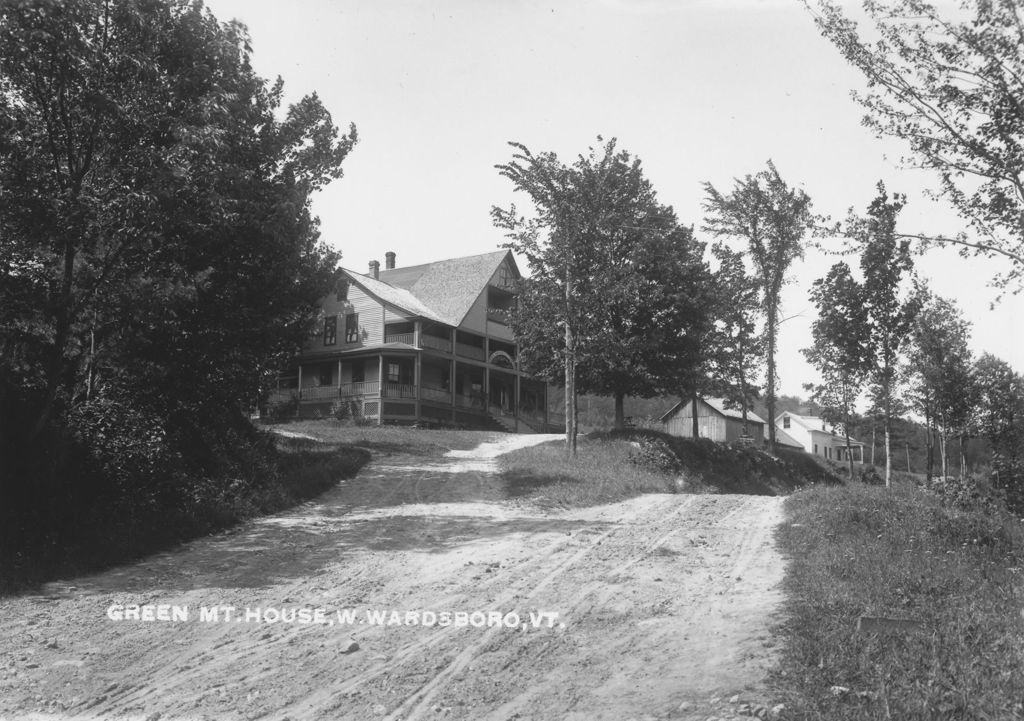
[[656, 454], [970, 492]]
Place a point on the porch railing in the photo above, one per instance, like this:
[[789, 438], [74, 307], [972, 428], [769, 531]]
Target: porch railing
[[362, 388], [398, 390], [318, 393], [407, 338], [431, 393], [470, 351], [430, 341], [469, 401]]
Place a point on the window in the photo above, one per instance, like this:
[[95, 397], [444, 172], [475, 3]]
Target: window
[[358, 372], [785, 421], [393, 372], [815, 449], [330, 330], [352, 328]]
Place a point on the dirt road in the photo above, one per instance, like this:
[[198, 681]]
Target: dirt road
[[657, 607]]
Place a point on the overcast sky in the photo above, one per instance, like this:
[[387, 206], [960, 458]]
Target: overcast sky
[[700, 90]]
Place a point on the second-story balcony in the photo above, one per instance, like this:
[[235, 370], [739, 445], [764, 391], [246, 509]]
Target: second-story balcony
[[435, 343], [407, 338]]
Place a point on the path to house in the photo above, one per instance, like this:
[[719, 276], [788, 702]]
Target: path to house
[[663, 606]]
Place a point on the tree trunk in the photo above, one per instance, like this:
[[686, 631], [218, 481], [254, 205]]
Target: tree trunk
[[872, 443], [887, 407], [888, 455], [693, 409], [963, 457], [942, 453], [770, 379], [570, 371], [620, 410], [929, 453], [846, 421], [570, 393]]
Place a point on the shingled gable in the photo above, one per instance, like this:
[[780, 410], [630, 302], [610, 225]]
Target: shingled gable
[[450, 287]]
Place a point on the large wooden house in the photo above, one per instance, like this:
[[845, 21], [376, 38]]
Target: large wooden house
[[426, 343]]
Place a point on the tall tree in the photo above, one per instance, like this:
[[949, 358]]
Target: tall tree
[[840, 351], [158, 242], [612, 275], [738, 345], [941, 369], [772, 218], [951, 88], [885, 263]]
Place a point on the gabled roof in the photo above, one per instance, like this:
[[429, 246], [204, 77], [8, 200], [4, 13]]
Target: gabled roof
[[449, 287], [813, 423], [398, 297], [783, 438], [717, 404]]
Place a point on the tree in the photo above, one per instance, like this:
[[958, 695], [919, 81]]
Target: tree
[[612, 274], [884, 262], [738, 346], [159, 248], [840, 351], [951, 89], [1001, 421], [941, 367], [772, 219]]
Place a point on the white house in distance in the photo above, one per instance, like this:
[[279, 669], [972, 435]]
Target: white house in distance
[[812, 433]]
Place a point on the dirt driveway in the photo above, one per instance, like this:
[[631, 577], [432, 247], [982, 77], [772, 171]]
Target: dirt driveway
[[440, 598]]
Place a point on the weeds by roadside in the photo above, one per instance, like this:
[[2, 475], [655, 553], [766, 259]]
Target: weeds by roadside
[[615, 465], [275, 474], [904, 554], [602, 473], [390, 439]]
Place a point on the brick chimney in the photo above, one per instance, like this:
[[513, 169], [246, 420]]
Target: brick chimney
[[389, 260], [375, 269]]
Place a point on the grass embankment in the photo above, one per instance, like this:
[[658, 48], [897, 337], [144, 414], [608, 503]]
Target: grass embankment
[[621, 464], [100, 530], [863, 550], [390, 439]]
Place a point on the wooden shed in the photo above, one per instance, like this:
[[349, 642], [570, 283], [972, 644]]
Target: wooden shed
[[714, 421]]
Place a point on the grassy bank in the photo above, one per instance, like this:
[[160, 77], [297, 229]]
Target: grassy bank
[[861, 550], [93, 532], [621, 464], [389, 439]]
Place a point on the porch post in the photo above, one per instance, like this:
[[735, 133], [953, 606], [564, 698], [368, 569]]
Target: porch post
[[487, 389], [380, 384], [515, 402], [300, 381], [416, 333], [417, 376], [451, 383]]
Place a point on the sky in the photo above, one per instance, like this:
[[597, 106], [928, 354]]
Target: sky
[[699, 90]]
